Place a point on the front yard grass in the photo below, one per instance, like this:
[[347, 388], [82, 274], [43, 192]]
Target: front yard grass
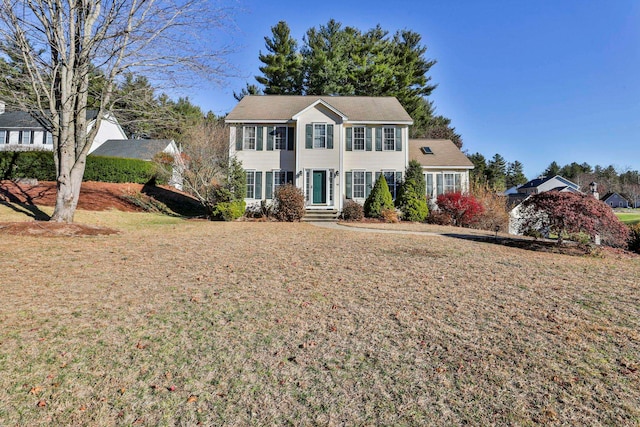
[[629, 217], [181, 322]]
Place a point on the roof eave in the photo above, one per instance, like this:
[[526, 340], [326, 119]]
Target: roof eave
[[261, 121], [324, 103]]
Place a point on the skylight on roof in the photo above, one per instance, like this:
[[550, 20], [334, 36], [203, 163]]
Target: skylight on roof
[[426, 150]]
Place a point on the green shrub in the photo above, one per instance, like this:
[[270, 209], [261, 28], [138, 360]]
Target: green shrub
[[115, 169], [229, 211], [379, 199], [39, 165], [352, 211], [27, 164], [288, 203], [634, 237], [412, 205]]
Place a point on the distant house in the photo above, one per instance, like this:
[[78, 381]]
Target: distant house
[[22, 131], [144, 149], [615, 200], [535, 186], [445, 167], [540, 185]]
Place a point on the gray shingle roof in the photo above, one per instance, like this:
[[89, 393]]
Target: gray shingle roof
[[27, 120], [445, 153], [284, 107], [143, 149]]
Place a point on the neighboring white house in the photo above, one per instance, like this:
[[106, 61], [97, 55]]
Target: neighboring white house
[[446, 168], [332, 147], [535, 186], [21, 130]]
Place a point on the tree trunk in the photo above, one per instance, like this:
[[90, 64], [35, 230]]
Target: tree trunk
[[68, 192]]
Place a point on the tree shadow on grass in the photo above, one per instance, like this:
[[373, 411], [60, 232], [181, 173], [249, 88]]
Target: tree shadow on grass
[[24, 205], [539, 245], [182, 204]]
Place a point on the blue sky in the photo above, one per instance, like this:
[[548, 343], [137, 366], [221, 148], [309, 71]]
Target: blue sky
[[535, 81]]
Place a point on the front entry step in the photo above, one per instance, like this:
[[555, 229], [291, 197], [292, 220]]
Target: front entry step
[[312, 215]]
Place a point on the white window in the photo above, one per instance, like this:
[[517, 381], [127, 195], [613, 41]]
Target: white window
[[48, 139], [358, 184], [26, 137], [280, 138], [319, 135], [3, 136], [452, 182], [389, 139], [249, 138], [251, 184], [358, 138], [279, 179]]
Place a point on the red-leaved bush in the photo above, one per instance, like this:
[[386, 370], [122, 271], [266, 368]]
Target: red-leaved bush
[[567, 213], [462, 208]]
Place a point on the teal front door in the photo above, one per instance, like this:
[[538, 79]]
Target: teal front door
[[319, 187]]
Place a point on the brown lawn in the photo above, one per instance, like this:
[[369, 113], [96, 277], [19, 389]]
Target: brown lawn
[[176, 322]]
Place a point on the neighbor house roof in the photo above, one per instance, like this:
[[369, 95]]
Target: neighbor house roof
[[613, 195], [534, 183], [282, 108], [27, 120], [441, 153], [143, 149]]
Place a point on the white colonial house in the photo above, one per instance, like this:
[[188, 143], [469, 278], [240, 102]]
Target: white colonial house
[[332, 147], [21, 130]]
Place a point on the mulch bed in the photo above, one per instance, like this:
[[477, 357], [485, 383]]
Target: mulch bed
[[53, 229]]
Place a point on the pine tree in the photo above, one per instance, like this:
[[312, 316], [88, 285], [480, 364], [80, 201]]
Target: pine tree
[[379, 199], [515, 175], [282, 72], [497, 172]]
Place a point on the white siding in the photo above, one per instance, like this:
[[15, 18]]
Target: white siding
[[109, 129]]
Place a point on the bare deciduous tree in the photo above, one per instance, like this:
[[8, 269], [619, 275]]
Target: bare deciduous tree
[[61, 43], [205, 166]]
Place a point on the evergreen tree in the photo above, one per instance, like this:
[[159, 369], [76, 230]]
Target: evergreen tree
[[379, 199], [478, 173], [411, 198], [282, 72], [339, 60], [515, 175], [249, 89], [552, 170], [326, 59], [497, 172]]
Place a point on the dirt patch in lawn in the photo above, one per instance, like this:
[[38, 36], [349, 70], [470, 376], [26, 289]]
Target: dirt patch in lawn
[[53, 229]]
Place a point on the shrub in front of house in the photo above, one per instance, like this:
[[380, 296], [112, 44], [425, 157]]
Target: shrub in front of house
[[463, 209], [379, 199], [634, 238], [27, 164], [437, 217], [352, 211], [229, 211], [120, 170], [495, 215], [390, 215], [412, 204], [288, 203]]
